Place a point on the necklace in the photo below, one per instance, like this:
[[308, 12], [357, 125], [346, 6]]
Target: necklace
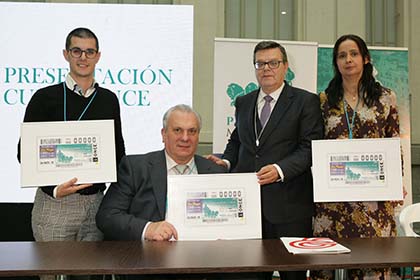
[[257, 135], [352, 96]]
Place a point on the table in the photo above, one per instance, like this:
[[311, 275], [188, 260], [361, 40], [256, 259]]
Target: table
[[223, 256]]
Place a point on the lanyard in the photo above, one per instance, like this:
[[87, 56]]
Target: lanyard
[[192, 169], [257, 135], [65, 103], [350, 126]]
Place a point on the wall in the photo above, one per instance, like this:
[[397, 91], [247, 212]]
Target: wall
[[208, 24]]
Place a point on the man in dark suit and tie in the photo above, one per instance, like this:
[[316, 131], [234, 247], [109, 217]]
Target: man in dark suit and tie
[[273, 132]]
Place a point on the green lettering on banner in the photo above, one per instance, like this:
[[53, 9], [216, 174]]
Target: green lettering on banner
[[229, 120], [61, 75], [17, 96], [7, 98], [36, 75], [166, 77], [143, 94], [49, 78], [23, 75], [108, 75], [134, 98], [228, 132], [127, 76], [150, 75], [10, 71], [120, 73]]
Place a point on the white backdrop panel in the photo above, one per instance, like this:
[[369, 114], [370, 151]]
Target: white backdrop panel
[[146, 60]]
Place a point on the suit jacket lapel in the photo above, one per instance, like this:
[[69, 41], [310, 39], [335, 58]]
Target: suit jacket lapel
[[252, 116], [282, 104], [202, 166], [158, 175]]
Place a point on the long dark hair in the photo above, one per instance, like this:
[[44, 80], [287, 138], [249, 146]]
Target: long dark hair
[[370, 88]]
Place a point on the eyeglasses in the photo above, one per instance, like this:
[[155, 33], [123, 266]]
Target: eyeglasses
[[273, 64], [77, 52]]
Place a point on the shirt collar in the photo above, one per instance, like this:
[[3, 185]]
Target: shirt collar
[[71, 84], [275, 94], [170, 163]]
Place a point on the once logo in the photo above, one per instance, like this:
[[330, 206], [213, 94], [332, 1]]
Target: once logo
[[313, 243]]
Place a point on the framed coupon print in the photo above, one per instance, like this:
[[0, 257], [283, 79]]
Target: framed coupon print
[[55, 152], [357, 170], [214, 206]]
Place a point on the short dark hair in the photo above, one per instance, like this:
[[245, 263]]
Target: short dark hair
[[81, 32], [264, 45]]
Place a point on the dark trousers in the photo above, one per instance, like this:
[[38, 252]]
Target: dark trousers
[[301, 228]]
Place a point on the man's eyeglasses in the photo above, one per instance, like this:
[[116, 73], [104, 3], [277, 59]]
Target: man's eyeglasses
[[77, 52], [273, 64]]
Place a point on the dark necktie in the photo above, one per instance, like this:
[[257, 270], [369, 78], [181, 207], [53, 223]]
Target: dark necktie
[[266, 110]]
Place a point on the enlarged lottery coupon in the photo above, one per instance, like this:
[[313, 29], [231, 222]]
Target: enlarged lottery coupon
[[55, 152], [367, 169], [357, 170], [214, 206], [218, 207], [68, 152]]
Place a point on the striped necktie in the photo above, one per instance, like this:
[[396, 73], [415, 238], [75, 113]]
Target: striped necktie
[[181, 169], [266, 110]]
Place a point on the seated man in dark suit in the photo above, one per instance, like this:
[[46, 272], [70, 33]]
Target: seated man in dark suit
[[134, 208]]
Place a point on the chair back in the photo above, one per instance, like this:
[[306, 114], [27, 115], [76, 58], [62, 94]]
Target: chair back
[[408, 216]]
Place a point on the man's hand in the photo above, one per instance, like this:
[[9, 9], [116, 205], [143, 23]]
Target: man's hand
[[267, 174], [69, 187], [217, 160], [160, 231]]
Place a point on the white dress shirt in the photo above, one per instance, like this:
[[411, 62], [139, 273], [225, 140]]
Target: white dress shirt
[[170, 169]]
